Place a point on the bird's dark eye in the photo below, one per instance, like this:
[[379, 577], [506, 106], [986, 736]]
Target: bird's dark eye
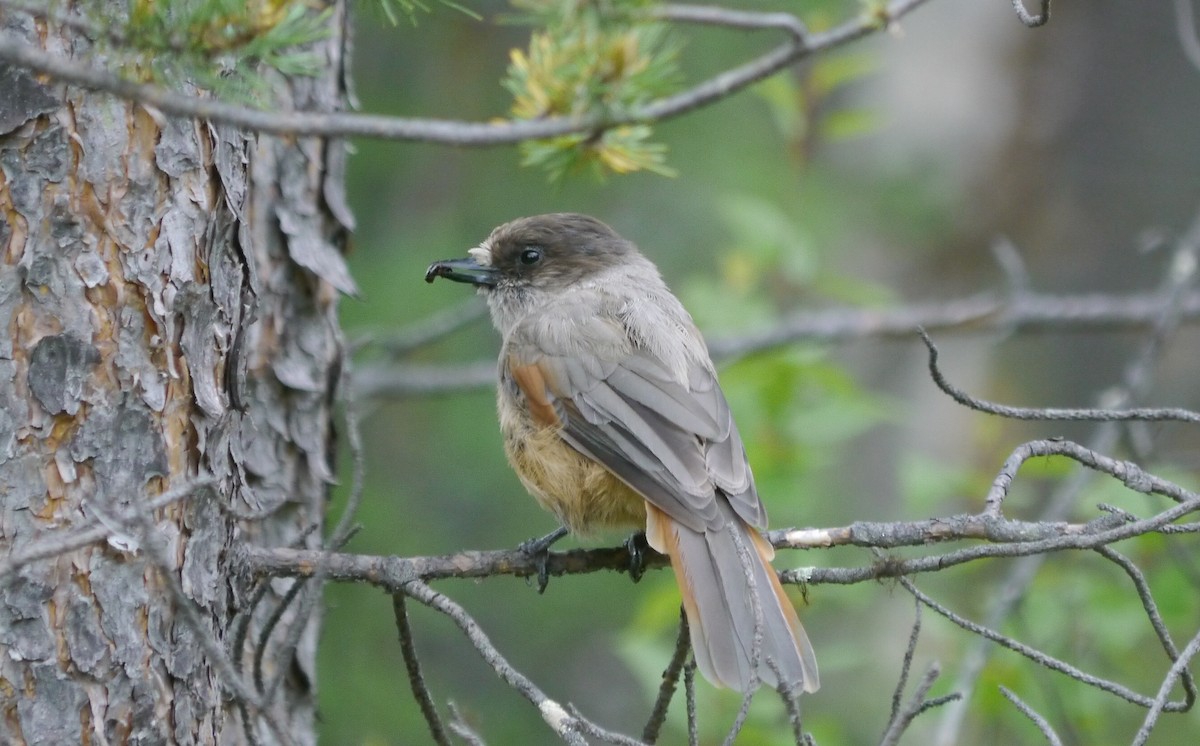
[[531, 255]]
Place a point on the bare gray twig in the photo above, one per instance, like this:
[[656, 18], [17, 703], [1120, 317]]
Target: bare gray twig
[[392, 572], [241, 629], [1173, 298], [1032, 21], [1145, 414], [689, 692], [1129, 473], [791, 703], [905, 667], [1161, 702], [712, 15], [264, 636], [917, 704], [426, 331], [416, 679], [1042, 724], [1041, 658], [565, 725], [894, 568], [589, 728], [458, 724], [670, 680], [1152, 613], [983, 312]]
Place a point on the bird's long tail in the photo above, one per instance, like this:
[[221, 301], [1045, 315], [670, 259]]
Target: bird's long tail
[[713, 573]]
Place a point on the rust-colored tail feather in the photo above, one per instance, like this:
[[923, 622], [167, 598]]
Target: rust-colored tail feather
[[720, 613]]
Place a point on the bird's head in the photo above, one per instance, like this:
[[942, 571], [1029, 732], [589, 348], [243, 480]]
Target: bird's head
[[543, 252], [531, 261]]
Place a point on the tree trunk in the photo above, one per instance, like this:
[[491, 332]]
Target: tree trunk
[[167, 292]]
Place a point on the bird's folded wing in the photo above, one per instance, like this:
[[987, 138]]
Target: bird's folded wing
[[672, 441]]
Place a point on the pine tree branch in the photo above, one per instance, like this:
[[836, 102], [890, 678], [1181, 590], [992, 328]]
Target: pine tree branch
[[452, 132]]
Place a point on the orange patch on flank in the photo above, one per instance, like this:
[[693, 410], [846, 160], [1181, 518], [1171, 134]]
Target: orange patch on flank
[[532, 383]]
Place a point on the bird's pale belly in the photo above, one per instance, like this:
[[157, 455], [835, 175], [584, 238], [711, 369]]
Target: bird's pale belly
[[585, 496]]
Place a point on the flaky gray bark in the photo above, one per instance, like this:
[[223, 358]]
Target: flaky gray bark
[[168, 305]]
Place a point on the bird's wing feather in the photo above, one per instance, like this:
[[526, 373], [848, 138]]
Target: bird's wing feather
[[673, 441]]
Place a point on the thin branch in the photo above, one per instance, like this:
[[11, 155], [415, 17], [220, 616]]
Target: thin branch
[[711, 15], [730, 81], [743, 712], [1151, 608], [338, 124], [895, 568], [1173, 297], [981, 313], [1032, 21], [791, 703], [458, 724], [903, 715], [917, 704], [1129, 473], [436, 326], [1039, 657], [565, 726], [241, 625], [418, 380], [296, 123], [245, 613], [689, 693], [588, 728], [1161, 702], [670, 680], [1042, 724], [905, 667], [264, 635], [391, 573], [1156, 414], [416, 679]]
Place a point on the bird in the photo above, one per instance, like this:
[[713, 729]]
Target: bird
[[613, 418]]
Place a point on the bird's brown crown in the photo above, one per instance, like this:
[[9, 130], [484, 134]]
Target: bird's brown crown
[[559, 248]]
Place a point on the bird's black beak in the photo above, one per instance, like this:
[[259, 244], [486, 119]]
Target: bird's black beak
[[462, 270]]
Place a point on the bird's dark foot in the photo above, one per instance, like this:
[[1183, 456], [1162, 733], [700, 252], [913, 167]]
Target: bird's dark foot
[[637, 546], [539, 550]]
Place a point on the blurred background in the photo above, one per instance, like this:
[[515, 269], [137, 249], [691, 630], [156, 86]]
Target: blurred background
[[879, 174]]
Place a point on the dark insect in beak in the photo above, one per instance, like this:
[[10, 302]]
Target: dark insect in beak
[[462, 270]]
